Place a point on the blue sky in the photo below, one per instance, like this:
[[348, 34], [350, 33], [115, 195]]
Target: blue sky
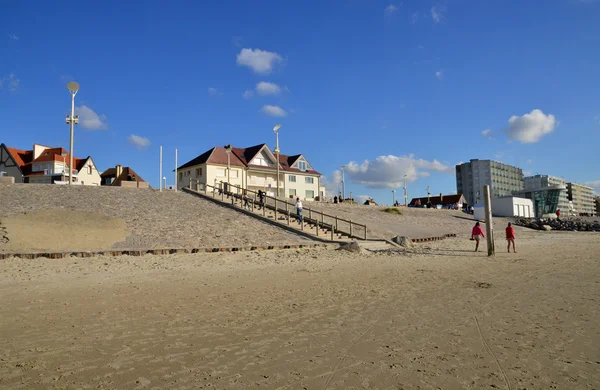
[[386, 88]]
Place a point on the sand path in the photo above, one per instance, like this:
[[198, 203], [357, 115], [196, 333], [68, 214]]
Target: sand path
[[445, 319]]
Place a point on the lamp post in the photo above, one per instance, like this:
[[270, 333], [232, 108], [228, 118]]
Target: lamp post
[[405, 193], [228, 150], [343, 183], [72, 120], [276, 130], [393, 197]]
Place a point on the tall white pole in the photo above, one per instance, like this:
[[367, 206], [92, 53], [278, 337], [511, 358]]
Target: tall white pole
[[343, 184], [160, 177], [405, 193], [175, 170], [489, 227], [277, 151], [71, 142]]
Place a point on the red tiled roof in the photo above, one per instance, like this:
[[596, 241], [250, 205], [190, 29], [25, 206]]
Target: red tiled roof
[[24, 159]]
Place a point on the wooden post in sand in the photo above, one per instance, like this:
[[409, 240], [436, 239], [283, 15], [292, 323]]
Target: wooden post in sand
[[489, 227]]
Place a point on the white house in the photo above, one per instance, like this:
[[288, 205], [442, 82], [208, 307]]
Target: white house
[[46, 165], [253, 168]]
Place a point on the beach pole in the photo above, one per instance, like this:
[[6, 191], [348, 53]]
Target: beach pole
[[160, 179], [488, 220]]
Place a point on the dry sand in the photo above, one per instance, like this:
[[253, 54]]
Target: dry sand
[[431, 317]]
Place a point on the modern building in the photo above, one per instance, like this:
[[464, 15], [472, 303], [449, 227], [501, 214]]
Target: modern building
[[120, 176], [582, 198], [47, 165], [507, 206], [598, 205], [503, 179], [545, 199], [253, 168], [540, 181]]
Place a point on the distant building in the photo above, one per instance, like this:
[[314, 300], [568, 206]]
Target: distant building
[[503, 179], [455, 199], [582, 198], [46, 165], [540, 181], [120, 176], [253, 168], [598, 205]]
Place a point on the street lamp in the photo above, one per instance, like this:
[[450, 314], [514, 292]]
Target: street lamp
[[405, 193], [228, 150], [72, 120], [343, 183], [276, 130], [393, 197]]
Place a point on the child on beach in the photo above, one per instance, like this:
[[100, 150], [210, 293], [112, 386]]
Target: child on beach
[[510, 237], [477, 235]]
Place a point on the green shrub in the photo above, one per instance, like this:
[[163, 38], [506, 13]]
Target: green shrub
[[392, 210]]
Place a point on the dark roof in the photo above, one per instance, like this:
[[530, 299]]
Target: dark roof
[[447, 199], [110, 172], [243, 157], [127, 174]]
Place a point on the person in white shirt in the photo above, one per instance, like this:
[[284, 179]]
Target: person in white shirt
[[299, 210]]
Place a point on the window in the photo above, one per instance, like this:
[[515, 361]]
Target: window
[[292, 192], [309, 180], [310, 194], [90, 169], [198, 171], [234, 174], [292, 179], [220, 172], [302, 165], [180, 176]]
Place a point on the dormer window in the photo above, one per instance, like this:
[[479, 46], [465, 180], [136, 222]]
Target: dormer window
[[302, 165]]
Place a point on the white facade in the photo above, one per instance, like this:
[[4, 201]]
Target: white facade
[[512, 206]]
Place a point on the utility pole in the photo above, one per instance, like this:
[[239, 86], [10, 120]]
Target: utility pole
[[343, 183], [175, 170], [405, 193], [489, 227]]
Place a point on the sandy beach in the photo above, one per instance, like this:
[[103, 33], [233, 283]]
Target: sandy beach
[[436, 316]]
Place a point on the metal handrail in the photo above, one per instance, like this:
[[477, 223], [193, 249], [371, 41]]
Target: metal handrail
[[330, 222]]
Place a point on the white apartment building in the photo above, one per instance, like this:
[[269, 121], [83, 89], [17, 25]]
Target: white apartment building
[[582, 198], [503, 179], [253, 168], [541, 181]]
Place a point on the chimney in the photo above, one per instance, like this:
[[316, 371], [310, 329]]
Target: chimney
[[119, 170]]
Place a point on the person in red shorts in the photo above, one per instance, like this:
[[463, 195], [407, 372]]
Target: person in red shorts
[[510, 237]]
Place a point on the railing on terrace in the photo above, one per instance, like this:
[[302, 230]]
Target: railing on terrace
[[287, 209]]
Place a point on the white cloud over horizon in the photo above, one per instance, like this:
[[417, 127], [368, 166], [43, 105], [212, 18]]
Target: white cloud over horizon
[[487, 133], [275, 111], [387, 172], [260, 61], [266, 88], [437, 13], [247, 94], [595, 184], [530, 128], [139, 142], [89, 120], [391, 9]]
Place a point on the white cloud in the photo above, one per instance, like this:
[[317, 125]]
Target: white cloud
[[414, 17], [212, 91], [273, 110], [89, 120], [390, 9], [332, 186], [439, 74], [531, 127], [437, 13], [595, 184], [11, 82], [248, 94], [265, 88], [487, 133], [527, 173], [260, 61], [13, 37], [389, 171], [139, 142]]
